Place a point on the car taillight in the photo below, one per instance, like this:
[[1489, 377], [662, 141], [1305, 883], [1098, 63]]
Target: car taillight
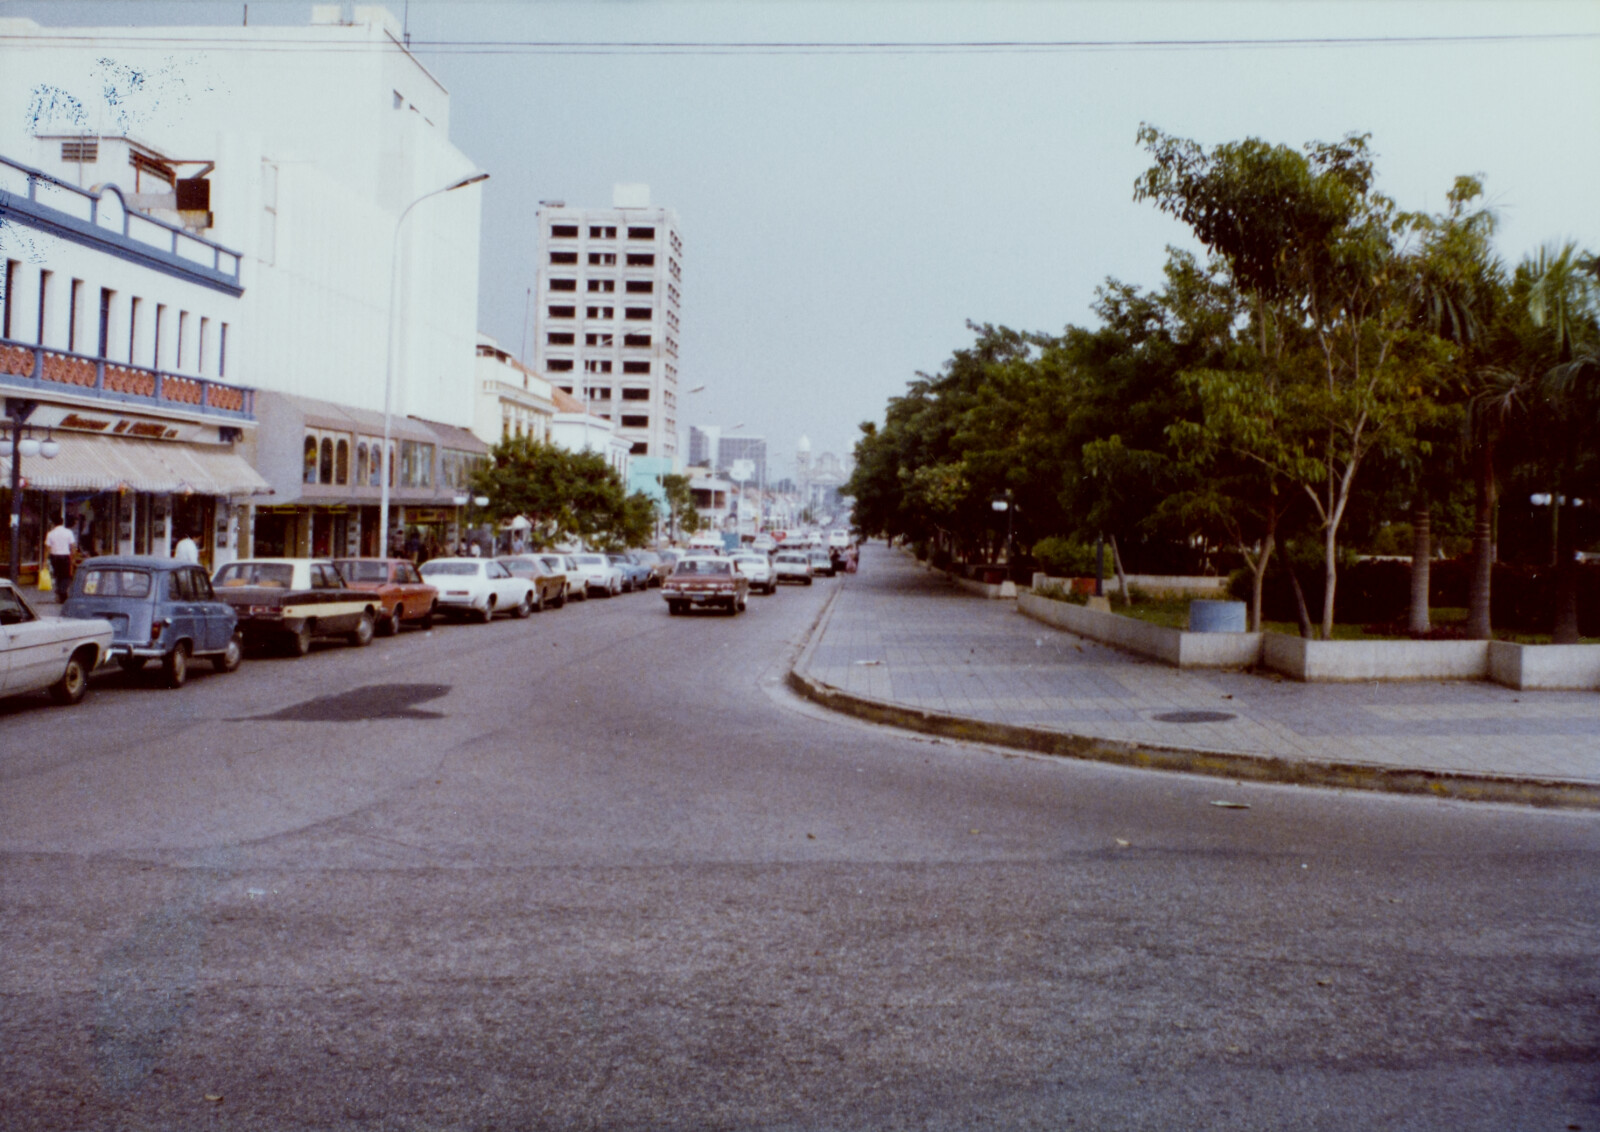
[[156, 627]]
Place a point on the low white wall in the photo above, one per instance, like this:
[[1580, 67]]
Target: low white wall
[[1544, 666], [1335, 661], [982, 589], [1154, 584], [1174, 646]]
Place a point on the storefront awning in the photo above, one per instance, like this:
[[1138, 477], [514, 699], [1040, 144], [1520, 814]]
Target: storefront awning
[[112, 463]]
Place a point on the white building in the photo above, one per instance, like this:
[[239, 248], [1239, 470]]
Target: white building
[[513, 400], [577, 428], [610, 297], [300, 148]]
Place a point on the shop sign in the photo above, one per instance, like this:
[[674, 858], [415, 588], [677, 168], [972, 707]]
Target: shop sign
[[120, 424]]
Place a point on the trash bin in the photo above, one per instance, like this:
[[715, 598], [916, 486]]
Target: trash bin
[[1216, 616]]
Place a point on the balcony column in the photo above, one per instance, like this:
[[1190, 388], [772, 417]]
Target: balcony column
[[56, 299], [25, 303], [116, 329]]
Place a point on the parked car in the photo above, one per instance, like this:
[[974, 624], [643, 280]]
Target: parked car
[[292, 601], [635, 575], [549, 587], [160, 609], [821, 563], [702, 581], [598, 573], [478, 587], [54, 654], [402, 594], [659, 567], [758, 568], [764, 543], [562, 564], [792, 566]]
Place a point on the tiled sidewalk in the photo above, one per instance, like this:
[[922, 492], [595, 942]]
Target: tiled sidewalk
[[899, 634]]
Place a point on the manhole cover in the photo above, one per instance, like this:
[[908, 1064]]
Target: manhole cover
[[1194, 717]]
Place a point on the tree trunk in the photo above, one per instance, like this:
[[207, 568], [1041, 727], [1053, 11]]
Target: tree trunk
[[1330, 578], [1258, 578], [1478, 627], [1302, 614], [1565, 631], [1122, 578], [1421, 553]]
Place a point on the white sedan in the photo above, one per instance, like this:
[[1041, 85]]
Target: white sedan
[[596, 574], [478, 587], [38, 653], [758, 568], [792, 566]]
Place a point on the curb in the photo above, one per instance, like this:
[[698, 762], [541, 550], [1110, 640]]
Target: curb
[[1542, 793]]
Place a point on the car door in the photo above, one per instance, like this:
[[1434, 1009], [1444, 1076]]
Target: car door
[[418, 597], [36, 648], [219, 617], [506, 587], [185, 621]]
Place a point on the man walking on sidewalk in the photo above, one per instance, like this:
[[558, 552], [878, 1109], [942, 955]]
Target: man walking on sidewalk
[[58, 544]]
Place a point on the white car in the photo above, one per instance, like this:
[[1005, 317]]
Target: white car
[[596, 574], [792, 566], [562, 564], [764, 543], [478, 587], [758, 568], [54, 653]]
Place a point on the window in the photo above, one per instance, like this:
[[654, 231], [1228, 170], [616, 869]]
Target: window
[[555, 338], [180, 586], [640, 448], [597, 232], [638, 314], [598, 339], [602, 259], [596, 365], [309, 471], [641, 233], [563, 312], [416, 463], [636, 339], [361, 462], [563, 284], [10, 285], [564, 231], [641, 259], [600, 393], [559, 365], [635, 367], [341, 462], [325, 465], [602, 312], [205, 343], [46, 278], [84, 151], [72, 315], [105, 322], [641, 287], [636, 394], [178, 354], [636, 420], [563, 257], [603, 286], [222, 350]]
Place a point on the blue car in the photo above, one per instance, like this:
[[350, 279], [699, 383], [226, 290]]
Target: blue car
[[160, 609], [635, 575]]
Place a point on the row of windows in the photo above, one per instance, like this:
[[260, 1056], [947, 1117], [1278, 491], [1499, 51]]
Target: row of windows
[[599, 365], [600, 232], [606, 286], [632, 314], [672, 293], [608, 259], [327, 461], [672, 347], [628, 393], [677, 244], [157, 336], [672, 319], [677, 273]]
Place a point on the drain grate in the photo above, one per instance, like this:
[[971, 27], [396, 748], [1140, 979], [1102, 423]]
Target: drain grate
[[1194, 717]]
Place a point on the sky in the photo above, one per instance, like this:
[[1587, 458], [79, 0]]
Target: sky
[[846, 211]]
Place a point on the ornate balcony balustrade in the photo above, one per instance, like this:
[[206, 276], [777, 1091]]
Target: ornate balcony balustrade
[[43, 370]]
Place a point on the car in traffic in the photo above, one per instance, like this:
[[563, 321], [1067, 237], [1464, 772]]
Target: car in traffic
[[403, 597], [478, 588], [758, 568], [549, 586], [598, 574], [706, 582], [53, 654], [160, 609], [821, 563], [792, 566], [290, 602], [658, 566]]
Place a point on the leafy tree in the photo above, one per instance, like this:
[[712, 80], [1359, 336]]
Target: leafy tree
[[680, 501], [563, 494]]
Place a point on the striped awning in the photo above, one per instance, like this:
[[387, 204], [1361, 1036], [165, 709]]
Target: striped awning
[[113, 463]]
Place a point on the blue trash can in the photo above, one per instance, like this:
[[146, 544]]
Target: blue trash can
[[1216, 616]]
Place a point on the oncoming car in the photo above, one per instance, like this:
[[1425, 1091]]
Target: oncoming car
[[703, 581]]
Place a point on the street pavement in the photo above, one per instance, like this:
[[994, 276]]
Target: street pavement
[[599, 869], [902, 635]]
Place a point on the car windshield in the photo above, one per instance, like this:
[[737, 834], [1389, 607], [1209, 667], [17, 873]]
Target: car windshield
[[450, 569], [277, 575], [704, 566], [108, 581], [358, 571]]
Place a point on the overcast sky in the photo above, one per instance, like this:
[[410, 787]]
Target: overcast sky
[[846, 212]]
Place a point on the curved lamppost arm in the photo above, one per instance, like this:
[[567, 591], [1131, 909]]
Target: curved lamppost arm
[[385, 462]]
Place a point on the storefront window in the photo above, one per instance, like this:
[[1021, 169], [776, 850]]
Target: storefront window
[[361, 462], [416, 463], [310, 475], [341, 462], [327, 460]]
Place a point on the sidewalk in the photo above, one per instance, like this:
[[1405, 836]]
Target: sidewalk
[[902, 645]]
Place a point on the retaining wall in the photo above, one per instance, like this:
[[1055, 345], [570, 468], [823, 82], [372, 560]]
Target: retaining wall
[[1174, 646]]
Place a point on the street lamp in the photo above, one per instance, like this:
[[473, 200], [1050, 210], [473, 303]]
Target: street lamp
[[388, 364], [23, 443], [1003, 503]]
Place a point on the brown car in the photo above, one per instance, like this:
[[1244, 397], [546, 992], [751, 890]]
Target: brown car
[[699, 582], [550, 588], [402, 594]]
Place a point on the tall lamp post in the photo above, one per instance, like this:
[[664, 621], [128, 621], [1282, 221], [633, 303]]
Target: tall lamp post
[[1004, 503], [388, 364], [17, 414]]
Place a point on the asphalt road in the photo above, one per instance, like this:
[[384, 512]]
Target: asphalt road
[[597, 870]]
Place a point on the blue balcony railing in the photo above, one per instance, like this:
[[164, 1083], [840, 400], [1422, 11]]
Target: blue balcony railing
[[45, 371]]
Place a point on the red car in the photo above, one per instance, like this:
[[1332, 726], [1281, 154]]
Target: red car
[[402, 594]]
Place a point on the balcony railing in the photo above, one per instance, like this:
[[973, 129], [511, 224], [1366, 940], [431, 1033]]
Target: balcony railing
[[45, 370]]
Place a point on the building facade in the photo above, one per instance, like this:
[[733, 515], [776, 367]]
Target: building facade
[[512, 400], [609, 299], [118, 341]]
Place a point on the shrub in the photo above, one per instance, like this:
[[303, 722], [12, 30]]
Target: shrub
[[1065, 558]]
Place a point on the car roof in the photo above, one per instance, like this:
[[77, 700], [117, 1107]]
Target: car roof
[[141, 561], [280, 561]]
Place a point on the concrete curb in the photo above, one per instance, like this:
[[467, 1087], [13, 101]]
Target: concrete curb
[[1551, 794]]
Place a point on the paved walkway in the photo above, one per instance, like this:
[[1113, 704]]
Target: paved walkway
[[897, 634]]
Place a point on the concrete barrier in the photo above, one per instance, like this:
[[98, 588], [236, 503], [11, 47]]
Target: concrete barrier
[[1169, 585], [1527, 667], [1350, 661], [1173, 646]]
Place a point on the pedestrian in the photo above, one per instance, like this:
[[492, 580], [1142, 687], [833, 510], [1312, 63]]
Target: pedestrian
[[58, 544], [413, 547], [187, 550]]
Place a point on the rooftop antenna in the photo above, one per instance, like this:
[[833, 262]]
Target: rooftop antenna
[[405, 25]]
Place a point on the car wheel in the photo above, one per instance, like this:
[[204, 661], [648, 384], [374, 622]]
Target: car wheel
[[74, 681], [390, 625], [561, 598], [361, 636], [229, 659], [486, 614], [522, 608], [175, 669], [808, 581], [300, 640], [130, 663], [427, 618], [538, 601]]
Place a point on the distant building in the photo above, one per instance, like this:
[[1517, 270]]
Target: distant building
[[752, 448], [513, 400], [609, 301], [577, 428], [703, 441]]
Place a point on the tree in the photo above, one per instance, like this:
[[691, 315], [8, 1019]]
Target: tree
[[680, 501], [563, 494], [1317, 250]]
